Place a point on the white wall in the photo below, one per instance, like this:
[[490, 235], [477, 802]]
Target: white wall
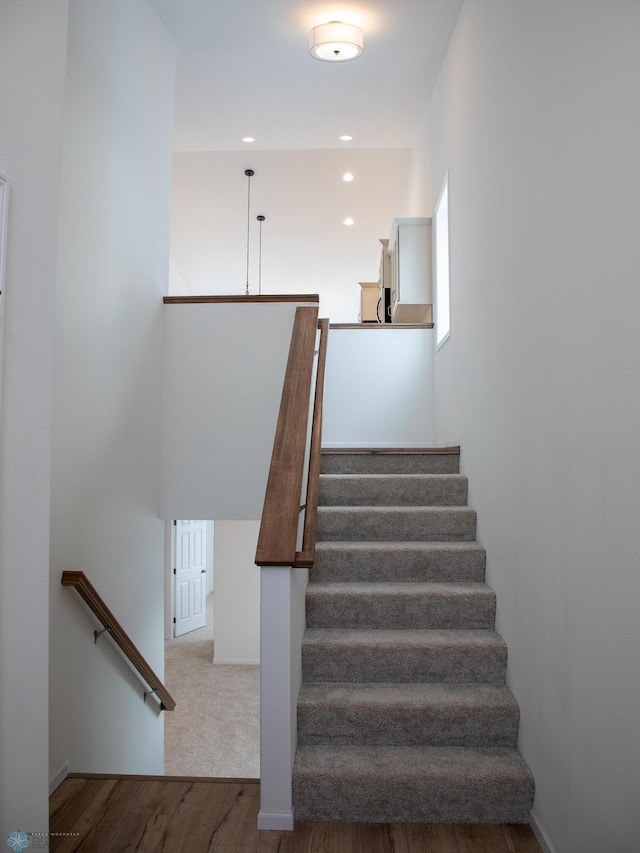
[[283, 623], [236, 603], [32, 61], [223, 377], [379, 388], [420, 196], [209, 562], [112, 273], [305, 246], [535, 115]]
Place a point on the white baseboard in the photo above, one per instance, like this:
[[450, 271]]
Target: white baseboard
[[59, 777], [244, 661], [281, 821], [541, 833]]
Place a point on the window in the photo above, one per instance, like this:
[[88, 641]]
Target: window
[[441, 264]]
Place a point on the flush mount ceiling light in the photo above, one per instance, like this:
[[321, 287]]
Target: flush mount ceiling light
[[335, 42]]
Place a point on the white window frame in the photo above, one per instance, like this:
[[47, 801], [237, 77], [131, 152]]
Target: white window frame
[[441, 266]]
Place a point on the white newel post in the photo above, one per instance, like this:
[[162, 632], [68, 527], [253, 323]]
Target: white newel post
[[282, 623]]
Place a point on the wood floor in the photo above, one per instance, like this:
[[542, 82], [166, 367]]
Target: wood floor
[[107, 815]]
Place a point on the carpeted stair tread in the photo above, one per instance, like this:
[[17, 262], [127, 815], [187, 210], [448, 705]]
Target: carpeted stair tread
[[389, 463], [400, 605], [405, 655], [396, 523], [402, 561], [397, 784], [407, 714], [393, 490]]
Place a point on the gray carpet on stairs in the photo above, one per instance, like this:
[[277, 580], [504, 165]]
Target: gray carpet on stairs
[[402, 523], [404, 714], [399, 561], [371, 462], [393, 489], [409, 784], [427, 714], [400, 605]]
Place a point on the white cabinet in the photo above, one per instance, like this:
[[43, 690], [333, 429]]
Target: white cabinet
[[410, 270]]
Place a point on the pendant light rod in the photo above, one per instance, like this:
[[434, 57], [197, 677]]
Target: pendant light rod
[[260, 219], [249, 173]]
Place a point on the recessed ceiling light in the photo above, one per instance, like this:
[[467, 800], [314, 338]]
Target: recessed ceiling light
[[348, 221], [346, 138], [248, 139], [348, 177]]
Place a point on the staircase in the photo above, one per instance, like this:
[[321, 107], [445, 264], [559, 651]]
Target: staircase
[[404, 715]]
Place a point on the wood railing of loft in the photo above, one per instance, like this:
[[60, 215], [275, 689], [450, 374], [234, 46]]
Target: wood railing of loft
[[92, 598], [277, 540], [246, 298]]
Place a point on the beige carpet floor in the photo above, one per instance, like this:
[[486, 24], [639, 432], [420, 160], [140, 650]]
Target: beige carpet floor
[[215, 727]]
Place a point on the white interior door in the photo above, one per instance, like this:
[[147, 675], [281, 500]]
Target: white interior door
[[190, 574]]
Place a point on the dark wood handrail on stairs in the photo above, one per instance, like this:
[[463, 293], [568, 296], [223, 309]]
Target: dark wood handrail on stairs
[[277, 540], [90, 595]]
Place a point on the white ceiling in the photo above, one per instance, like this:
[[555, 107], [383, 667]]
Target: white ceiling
[[244, 69]]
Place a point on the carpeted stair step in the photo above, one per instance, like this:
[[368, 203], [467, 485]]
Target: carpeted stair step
[[400, 605], [389, 462], [400, 561], [407, 715], [400, 784], [441, 524], [392, 490], [379, 655]]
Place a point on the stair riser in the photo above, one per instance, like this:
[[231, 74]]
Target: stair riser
[[389, 463], [361, 726], [405, 564], [408, 664], [400, 611], [372, 524], [393, 491], [421, 801]]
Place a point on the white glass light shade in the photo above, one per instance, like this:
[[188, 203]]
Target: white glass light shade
[[335, 42]]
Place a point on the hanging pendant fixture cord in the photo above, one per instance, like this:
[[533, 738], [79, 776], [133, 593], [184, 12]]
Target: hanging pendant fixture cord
[[249, 173], [260, 219]]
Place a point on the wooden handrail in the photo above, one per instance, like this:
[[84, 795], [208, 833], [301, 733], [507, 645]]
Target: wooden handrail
[[278, 535], [305, 558], [89, 594], [217, 300]]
